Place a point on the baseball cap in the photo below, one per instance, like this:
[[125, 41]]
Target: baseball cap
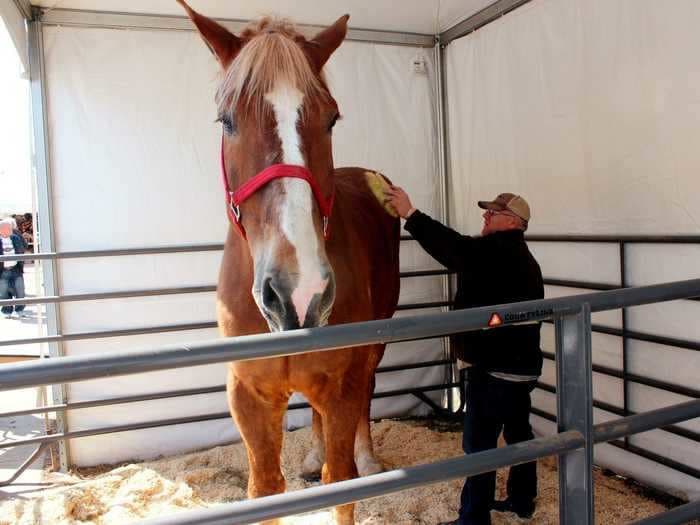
[[510, 202]]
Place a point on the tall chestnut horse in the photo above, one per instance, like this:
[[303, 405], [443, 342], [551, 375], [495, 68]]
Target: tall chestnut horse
[[308, 245]]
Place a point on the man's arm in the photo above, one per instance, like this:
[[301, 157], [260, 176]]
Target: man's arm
[[450, 248]]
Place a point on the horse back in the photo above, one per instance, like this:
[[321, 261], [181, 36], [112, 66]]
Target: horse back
[[363, 230]]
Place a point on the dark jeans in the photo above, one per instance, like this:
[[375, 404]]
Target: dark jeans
[[494, 405], [11, 285]]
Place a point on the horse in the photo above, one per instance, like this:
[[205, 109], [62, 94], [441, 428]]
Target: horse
[[308, 245]]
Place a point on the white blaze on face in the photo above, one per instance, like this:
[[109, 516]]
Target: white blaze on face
[[296, 214]]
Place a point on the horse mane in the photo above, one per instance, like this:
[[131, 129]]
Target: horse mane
[[272, 52]]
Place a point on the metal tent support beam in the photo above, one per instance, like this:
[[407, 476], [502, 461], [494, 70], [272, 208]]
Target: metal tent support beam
[[112, 20], [443, 162], [25, 8], [44, 228], [485, 16]]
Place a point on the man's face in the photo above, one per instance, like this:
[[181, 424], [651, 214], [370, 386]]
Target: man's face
[[499, 221], [5, 230]]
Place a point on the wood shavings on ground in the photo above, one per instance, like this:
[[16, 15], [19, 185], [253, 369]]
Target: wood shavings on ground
[[203, 479]]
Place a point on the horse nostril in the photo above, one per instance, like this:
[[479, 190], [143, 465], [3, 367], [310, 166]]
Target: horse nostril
[[270, 298], [328, 294], [327, 299]]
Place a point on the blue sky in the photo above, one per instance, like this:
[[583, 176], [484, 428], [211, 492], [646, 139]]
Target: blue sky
[[15, 166]]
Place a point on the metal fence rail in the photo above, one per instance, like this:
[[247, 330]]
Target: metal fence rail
[[80, 368], [386, 483], [56, 337], [128, 294], [83, 254], [572, 316], [628, 378], [682, 514], [113, 429], [624, 332], [314, 498], [181, 393]]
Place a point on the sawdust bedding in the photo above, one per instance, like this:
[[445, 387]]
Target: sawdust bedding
[[128, 493]]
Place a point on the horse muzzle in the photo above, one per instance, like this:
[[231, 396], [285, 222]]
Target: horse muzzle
[[287, 304]]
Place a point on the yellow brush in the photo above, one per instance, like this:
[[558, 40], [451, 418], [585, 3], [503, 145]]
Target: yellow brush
[[378, 186]]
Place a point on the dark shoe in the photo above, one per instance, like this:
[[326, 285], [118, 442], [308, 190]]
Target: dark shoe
[[523, 511]]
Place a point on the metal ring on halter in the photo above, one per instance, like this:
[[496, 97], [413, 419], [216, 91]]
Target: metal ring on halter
[[236, 212]]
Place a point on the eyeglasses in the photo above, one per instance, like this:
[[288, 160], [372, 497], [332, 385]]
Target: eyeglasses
[[491, 213]]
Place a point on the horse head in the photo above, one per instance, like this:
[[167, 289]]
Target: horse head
[[277, 116]]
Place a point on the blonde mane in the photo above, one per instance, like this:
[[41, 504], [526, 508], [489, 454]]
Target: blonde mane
[[272, 53]]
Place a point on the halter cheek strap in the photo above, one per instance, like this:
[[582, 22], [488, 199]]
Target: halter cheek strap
[[234, 199]]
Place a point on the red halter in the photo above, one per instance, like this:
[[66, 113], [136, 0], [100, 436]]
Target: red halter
[[234, 199]]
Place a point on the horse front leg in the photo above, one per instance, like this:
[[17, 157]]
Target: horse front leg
[[259, 421], [340, 414], [366, 461], [314, 460]]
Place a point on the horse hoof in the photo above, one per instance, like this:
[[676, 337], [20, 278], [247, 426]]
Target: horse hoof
[[311, 467], [368, 467], [311, 477]]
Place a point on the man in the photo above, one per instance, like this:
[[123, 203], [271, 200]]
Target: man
[[495, 268], [11, 272]]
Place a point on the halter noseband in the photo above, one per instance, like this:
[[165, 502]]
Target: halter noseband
[[234, 199]]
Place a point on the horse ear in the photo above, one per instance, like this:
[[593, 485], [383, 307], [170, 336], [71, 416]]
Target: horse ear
[[224, 44], [321, 46]]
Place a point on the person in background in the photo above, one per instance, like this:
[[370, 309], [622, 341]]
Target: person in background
[[24, 228], [11, 272], [495, 268]]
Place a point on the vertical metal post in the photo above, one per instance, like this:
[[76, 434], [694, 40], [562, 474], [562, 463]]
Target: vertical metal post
[[575, 412], [443, 161], [625, 345], [44, 233]]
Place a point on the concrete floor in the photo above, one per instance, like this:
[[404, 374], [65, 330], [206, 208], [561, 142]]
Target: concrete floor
[[15, 428]]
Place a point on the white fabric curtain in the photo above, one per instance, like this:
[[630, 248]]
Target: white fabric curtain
[[134, 159], [17, 29], [591, 110]]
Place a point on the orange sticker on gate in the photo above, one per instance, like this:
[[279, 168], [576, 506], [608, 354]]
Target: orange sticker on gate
[[495, 320]]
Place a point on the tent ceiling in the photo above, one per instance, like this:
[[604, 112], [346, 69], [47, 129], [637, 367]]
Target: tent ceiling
[[412, 16]]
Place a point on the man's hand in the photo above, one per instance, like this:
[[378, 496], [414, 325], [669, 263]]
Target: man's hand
[[398, 199]]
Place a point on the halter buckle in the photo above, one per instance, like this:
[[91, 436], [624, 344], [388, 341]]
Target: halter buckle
[[236, 210]]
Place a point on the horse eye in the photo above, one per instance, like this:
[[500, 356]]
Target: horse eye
[[228, 123], [333, 121]]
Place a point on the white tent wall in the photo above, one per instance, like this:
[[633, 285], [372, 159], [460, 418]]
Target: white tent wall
[[591, 110], [134, 163], [16, 26]]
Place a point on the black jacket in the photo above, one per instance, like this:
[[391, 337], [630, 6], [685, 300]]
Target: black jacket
[[18, 244], [493, 269]]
